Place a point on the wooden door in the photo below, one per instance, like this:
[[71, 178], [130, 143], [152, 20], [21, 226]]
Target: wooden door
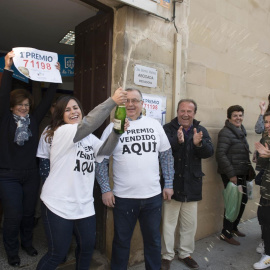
[[92, 85]]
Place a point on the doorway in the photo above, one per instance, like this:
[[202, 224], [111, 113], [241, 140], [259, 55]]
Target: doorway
[[92, 85]]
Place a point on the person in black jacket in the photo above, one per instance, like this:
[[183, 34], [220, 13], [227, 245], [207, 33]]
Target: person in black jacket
[[232, 156], [190, 144], [19, 179], [264, 205]]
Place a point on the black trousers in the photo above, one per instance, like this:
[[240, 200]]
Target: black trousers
[[229, 226], [18, 192], [264, 220]]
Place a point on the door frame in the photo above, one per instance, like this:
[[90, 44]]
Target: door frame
[[101, 213]]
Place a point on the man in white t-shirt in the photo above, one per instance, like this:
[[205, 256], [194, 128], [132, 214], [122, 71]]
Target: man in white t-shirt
[[137, 192]]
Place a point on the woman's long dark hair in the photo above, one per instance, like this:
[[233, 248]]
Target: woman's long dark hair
[[58, 116]]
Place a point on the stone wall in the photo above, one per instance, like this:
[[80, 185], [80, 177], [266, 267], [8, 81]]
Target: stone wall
[[225, 61], [228, 63]]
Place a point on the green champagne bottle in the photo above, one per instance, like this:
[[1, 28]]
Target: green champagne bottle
[[119, 119]]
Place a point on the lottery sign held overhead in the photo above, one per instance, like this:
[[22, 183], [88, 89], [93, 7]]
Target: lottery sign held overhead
[[37, 65]]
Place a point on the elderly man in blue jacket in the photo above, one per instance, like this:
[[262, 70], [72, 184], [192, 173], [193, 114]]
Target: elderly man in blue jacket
[[190, 144]]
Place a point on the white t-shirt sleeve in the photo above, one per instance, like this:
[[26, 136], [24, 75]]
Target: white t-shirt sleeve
[[44, 148]]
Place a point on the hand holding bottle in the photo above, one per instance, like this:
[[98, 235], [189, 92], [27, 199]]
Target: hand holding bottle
[[120, 96]]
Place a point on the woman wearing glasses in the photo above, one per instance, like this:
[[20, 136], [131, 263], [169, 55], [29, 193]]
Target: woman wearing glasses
[[19, 179]]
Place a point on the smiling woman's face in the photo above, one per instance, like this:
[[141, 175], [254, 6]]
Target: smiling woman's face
[[72, 114], [21, 109], [236, 118]]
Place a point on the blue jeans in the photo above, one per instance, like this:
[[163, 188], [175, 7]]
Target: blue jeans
[[59, 233], [18, 192], [126, 212]]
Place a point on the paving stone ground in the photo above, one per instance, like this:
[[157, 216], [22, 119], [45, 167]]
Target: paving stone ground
[[211, 253]]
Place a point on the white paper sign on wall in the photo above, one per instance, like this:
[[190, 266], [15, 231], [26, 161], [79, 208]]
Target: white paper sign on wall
[[145, 76], [154, 106]]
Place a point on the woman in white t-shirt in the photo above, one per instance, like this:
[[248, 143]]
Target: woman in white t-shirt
[[67, 193]]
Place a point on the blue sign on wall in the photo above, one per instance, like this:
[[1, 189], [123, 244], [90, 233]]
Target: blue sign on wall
[[67, 65]]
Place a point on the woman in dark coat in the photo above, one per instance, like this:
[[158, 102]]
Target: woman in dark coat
[[232, 156], [19, 179]]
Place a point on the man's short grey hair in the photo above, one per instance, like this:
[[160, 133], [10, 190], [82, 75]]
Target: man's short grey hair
[[134, 89], [190, 101]]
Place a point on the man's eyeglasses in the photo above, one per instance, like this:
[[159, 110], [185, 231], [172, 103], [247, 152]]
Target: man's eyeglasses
[[133, 101]]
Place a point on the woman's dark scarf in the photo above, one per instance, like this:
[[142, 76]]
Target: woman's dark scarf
[[22, 133]]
